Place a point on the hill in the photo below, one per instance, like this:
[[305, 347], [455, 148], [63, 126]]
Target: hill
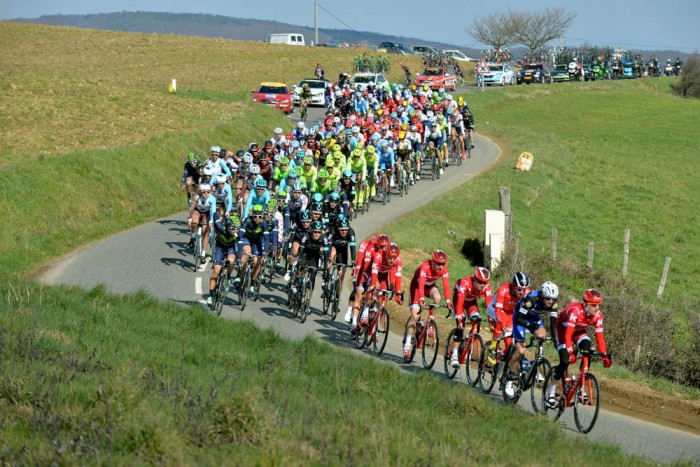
[[205, 25]]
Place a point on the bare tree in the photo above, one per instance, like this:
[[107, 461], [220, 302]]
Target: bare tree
[[535, 29], [494, 30]]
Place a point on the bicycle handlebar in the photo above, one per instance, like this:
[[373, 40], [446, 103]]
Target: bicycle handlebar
[[593, 353]]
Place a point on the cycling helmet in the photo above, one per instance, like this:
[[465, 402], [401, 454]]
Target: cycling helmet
[[301, 125], [221, 179], [292, 173], [300, 154], [383, 241], [257, 209], [429, 114], [248, 158], [347, 173], [330, 162], [343, 222], [235, 221], [308, 160], [208, 171], [357, 153], [393, 251], [317, 226], [261, 183], [550, 290], [282, 194], [253, 146], [334, 197], [371, 149], [482, 274], [272, 205], [521, 280], [284, 160], [593, 297], [305, 215], [254, 169], [278, 131], [192, 157], [204, 187], [295, 144], [316, 206], [440, 117], [439, 256], [215, 150], [298, 186], [228, 225], [322, 174]]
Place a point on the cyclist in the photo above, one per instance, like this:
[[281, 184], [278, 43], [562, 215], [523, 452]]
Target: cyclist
[[500, 310], [313, 250], [191, 174], [528, 317], [226, 248], [387, 270], [466, 291], [201, 211], [434, 141], [424, 284], [347, 193], [456, 123], [297, 202], [261, 196], [302, 226], [362, 273], [342, 240], [569, 328], [304, 98], [275, 229], [217, 165], [223, 194], [254, 241], [372, 163], [404, 152]]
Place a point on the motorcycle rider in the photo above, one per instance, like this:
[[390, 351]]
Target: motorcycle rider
[[575, 69]]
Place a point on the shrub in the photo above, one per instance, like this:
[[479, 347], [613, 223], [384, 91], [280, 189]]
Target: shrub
[[689, 84]]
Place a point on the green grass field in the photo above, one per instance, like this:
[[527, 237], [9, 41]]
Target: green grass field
[[94, 144]]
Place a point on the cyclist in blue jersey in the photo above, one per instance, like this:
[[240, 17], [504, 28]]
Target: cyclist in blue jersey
[[386, 164], [260, 196], [201, 211], [226, 248], [254, 238]]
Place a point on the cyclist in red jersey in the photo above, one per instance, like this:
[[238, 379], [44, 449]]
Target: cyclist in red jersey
[[362, 273], [424, 284], [570, 328], [466, 291], [387, 271], [501, 308]]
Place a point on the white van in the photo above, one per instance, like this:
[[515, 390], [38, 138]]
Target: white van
[[290, 39]]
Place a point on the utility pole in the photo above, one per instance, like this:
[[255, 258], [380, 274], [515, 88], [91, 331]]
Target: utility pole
[[315, 22]]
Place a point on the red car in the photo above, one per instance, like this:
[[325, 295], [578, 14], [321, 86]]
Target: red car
[[437, 78], [276, 94]]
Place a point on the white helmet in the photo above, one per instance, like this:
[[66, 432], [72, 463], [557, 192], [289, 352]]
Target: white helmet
[[248, 158], [204, 187], [278, 131], [215, 149], [255, 169], [429, 113], [221, 179], [550, 290], [208, 171], [301, 125], [336, 119]]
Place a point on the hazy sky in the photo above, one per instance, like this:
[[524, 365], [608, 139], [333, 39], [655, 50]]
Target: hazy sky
[[641, 24]]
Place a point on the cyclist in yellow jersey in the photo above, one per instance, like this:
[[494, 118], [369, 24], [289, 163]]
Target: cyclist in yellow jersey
[[338, 156], [323, 184], [372, 161], [308, 173], [334, 172]]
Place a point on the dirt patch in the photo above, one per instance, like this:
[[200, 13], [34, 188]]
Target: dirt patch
[[641, 401]]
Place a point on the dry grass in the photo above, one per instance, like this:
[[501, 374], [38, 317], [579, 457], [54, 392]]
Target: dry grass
[[110, 89]]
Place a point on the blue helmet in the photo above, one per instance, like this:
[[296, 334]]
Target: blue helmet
[[305, 215], [347, 173], [335, 196], [317, 198], [292, 173], [261, 183], [343, 221]]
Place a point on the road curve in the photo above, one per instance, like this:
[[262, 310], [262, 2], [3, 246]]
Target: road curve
[[154, 257]]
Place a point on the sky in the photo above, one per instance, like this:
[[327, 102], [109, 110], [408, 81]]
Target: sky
[[631, 24]]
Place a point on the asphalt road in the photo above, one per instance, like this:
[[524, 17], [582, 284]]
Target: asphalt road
[[155, 257]]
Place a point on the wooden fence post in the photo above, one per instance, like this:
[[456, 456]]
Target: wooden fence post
[[591, 252], [626, 254], [554, 244], [504, 203], [664, 276]]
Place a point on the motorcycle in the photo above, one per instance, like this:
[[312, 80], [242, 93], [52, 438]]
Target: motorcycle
[[575, 72], [599, 72]]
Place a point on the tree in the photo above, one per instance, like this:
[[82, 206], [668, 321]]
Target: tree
[[494, 30], [689, 84], [535, 29]]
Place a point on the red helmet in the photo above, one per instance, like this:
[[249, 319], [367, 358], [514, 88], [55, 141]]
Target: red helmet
[[393, 251], [439, 256], [482, 274], [382, 241], [593, 297]]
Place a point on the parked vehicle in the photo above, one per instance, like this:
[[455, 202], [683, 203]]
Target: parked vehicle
[[286, 38], [499, 73], [425, 50], [276, 94], [457, 55], [534, 73], [361, 80], [318, 90], [395, 48], [560, 73]]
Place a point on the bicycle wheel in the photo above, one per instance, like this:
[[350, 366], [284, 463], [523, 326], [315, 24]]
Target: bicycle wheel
[[587, 403], [472, 359], [221, 290], [197, 250], [450, 372], [403, 341], [430, 345], [380, 331], [433, 167], [555, 412], [303, 301], [516, 385], [361, 333], [335, 302], [538, 390], [327, 298], [488, 374], [468, 144], [243, 287], [460, 148]]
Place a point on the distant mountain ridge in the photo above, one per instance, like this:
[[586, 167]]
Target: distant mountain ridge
[[206, 25]]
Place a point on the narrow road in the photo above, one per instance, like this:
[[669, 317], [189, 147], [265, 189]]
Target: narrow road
[[155, 257]]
